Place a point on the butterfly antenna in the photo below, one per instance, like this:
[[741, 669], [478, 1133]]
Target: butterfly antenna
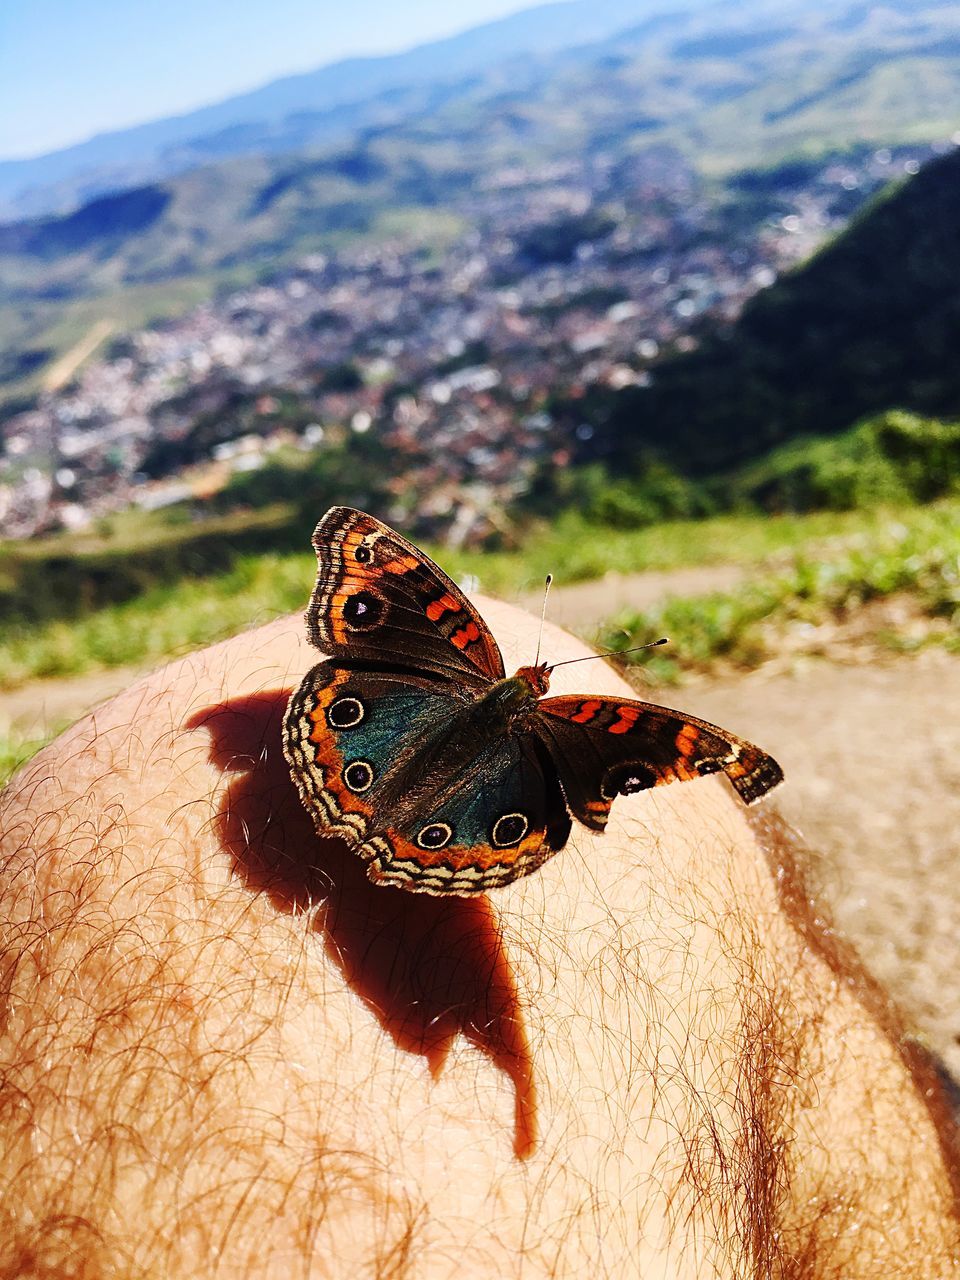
[[614, 653], [543, 614]]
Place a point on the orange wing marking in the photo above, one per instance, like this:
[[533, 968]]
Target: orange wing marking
[[687, 739], [586, 711], [437, 608], [401, 564], [628, 717], [466, 635], [323, 697]]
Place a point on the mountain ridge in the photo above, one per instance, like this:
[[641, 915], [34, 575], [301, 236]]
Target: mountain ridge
[[139, 153]]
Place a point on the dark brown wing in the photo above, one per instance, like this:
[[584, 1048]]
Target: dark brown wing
[[378, 599], [604, 747]]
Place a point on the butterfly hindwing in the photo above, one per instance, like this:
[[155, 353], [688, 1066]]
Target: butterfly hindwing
[[390, 762], [379, 599], [604, 747], [500, 821], [348, 732]]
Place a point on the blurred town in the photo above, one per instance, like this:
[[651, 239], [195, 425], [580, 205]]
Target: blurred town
[[573, 276]]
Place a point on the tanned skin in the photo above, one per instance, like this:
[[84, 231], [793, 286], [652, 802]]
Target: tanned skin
[[225, 1053]]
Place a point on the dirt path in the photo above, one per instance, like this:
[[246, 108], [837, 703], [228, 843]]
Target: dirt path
[[575, 605], [62, 370], [872, 757], [42, 707]]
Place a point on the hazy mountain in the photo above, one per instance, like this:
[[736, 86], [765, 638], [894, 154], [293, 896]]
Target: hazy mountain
[[316, 107], [871, 323], [325, 106], [728, 86]]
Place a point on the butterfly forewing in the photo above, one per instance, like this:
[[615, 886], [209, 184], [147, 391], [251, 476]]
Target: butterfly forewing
[[604, 747], [379, 600]]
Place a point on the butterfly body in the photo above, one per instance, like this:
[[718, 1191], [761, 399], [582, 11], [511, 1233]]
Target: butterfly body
[[445, 774]]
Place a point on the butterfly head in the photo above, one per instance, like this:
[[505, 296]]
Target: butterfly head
[[538, 678]]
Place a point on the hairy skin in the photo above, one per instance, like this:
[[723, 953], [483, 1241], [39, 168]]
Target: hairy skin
[[224, 1052]]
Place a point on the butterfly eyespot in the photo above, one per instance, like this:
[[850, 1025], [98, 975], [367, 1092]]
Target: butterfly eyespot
[[509, 830], [710, 765], [363, 554], [345, 713], [627, 780], [359, 775], [633, 782], [434, 836], [362, 611]]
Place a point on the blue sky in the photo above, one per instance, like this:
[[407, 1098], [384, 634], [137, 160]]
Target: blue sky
[[73, 68]]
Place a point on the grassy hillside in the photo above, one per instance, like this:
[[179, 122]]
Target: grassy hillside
[[176, 612], [853, 50], [870, 323], [893, 586], [583, 523], [812, 576]]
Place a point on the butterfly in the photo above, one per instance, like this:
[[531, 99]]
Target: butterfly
[[445, 775]]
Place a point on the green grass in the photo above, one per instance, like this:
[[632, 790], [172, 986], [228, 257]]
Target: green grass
[[133, 532], [165, 621], [815, 568], [574, 550], [916, 554], [16, 749], [171, 619]]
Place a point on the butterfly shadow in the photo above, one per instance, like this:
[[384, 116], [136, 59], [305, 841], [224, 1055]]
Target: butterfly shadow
[[429, 969]]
